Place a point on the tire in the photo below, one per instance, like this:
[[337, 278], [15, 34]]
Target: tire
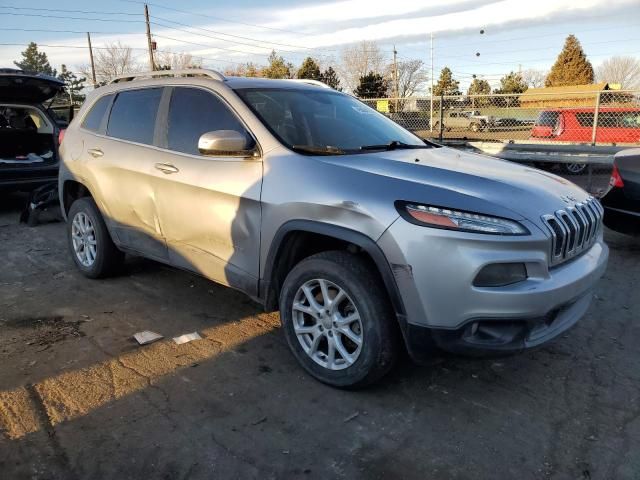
[[104, 259], [364, 299]]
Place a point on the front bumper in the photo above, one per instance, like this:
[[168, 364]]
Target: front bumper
[[434, 270]]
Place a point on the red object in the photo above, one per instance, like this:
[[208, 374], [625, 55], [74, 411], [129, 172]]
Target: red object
[[615, 125], [61, 136], [616, 179]]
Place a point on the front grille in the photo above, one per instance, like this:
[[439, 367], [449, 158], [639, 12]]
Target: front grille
[[573, 229]]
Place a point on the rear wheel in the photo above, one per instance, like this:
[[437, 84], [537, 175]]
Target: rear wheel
[[92, 249], [337, 320]]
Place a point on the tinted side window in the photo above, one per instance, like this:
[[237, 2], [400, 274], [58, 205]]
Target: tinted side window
[[133, 115], [193, 112], [547, 119], [585, 119], [94, 118]]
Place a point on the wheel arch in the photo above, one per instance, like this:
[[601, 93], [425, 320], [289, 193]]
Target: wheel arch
[[72, 189], [283, 255]]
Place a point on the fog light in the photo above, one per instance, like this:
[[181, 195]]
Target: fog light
[[500, 274]]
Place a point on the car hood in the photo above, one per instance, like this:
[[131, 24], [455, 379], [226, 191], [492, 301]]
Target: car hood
[[17, 86], [467, 181]]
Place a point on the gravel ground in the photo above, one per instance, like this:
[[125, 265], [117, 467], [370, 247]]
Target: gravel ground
[[80, 399]]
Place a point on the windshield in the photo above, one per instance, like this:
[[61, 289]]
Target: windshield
[[322, 121]]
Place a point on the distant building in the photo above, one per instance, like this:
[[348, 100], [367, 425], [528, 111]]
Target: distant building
[[570, 96]]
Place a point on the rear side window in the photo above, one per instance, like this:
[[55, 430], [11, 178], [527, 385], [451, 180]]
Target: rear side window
[[133, 115], [192, 112], [547, 119], [94, 118]]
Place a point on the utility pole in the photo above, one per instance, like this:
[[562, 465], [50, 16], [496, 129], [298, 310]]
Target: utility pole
[[93, 66], [396, 88], [152, 63], [431, 115]]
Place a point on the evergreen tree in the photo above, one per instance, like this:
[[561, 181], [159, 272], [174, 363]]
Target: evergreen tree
[[73, 84], [512, 83], [571, 67], [277, 68], [479, 87], [372, 85], [309, 69], [446, 84], [35, 61], [330, 77]]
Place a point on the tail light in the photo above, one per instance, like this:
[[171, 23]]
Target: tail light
[[61, 136], [616, 180]]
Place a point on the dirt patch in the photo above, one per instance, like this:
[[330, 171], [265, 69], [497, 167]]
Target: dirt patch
[[37, 332]]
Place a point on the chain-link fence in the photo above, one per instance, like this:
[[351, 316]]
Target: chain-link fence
[[592, 117], [569, 132]]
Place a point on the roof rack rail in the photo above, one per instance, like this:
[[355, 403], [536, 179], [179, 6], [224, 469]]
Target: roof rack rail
[[174, 73], [317, 83]]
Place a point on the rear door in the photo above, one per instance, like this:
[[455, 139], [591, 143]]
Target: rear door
[[120, 158], [209, 207]]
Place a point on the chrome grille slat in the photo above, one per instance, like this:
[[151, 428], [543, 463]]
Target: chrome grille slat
[[573, 229]]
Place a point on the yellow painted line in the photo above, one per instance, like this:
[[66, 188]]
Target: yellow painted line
[[75, 394]]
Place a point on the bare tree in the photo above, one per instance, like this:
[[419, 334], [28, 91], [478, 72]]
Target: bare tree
[[534, 78], [411, 77], [622, 70], [358, 60], [112, 60], [169, 60]]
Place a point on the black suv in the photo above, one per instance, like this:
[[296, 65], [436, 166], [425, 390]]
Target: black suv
[[28, 130]]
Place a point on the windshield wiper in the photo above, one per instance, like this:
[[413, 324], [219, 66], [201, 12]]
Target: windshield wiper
[[318, 150], [392, 145]]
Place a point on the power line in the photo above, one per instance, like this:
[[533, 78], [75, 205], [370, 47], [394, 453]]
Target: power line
[[84, 47], [60, 10], [216, 18], [224, 40], [93, 19], [202, 44], [208, 36], [231, 35], [65, 31]]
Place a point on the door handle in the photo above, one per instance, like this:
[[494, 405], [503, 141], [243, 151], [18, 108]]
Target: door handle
[[167, 168], [95, 152]]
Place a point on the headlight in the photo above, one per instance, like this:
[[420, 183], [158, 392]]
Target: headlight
[[439, 217]]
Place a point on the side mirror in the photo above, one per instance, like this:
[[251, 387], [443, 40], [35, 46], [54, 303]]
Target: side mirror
[[225, 142]]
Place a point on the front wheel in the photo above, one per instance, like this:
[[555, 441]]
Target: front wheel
[[337, 320]]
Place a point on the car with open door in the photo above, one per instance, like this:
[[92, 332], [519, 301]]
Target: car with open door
[[29, 133]]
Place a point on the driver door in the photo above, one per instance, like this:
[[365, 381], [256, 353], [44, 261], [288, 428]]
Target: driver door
[[209, 207]]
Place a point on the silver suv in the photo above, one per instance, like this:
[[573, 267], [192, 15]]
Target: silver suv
[[364, 236]]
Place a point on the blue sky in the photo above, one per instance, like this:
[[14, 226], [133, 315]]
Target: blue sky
[[518, 33]]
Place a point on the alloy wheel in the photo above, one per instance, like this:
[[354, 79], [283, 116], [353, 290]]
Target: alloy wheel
[[327, 324], [84, 241]]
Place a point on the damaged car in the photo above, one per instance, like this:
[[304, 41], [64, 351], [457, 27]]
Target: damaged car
[[29, 134]]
